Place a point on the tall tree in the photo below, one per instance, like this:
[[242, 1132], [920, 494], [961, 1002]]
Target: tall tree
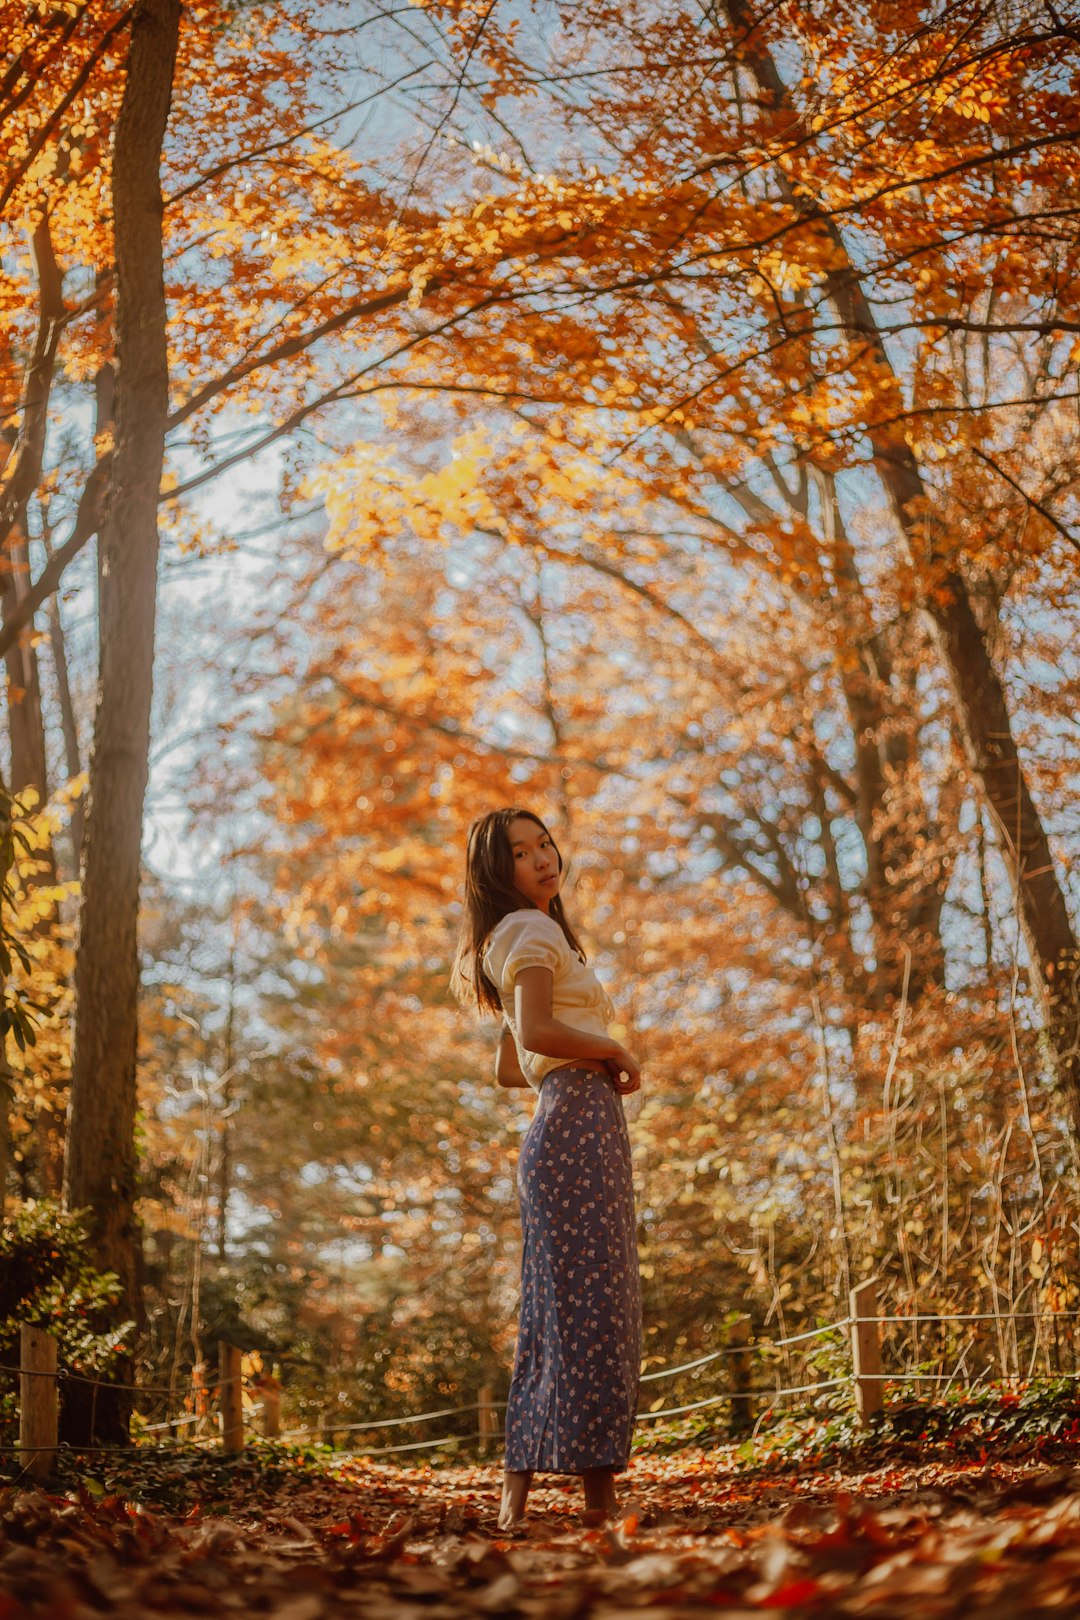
[[982, 708], [25, 714], [7, 1090], [101, 1160]]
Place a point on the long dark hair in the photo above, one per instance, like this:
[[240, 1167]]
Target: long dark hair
[[490, 894]]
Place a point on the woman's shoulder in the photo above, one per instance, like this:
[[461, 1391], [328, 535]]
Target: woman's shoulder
[[526, 938], [528, 920]]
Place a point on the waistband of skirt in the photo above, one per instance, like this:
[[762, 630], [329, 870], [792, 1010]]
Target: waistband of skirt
[[578, 1068]]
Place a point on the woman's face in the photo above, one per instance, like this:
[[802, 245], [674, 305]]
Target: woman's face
[[536, 864]]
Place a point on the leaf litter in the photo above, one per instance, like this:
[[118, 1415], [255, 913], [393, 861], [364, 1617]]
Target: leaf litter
[[937, 1540]]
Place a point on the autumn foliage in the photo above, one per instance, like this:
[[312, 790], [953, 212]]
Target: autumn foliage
[[663, 416]]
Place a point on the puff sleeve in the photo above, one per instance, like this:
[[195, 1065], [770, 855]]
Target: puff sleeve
[[520, 940]]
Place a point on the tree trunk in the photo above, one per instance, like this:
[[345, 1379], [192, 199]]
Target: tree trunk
[[20, 478], [23, 468], [26, 727], [981, 708], [101, 1161], [903, 888], [68, 720], [7, 1088], [104, 394], [26, 735], [228, 1062], [26, 739], [905, 893]]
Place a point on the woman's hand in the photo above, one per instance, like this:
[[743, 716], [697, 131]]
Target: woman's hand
[[624, 1070]]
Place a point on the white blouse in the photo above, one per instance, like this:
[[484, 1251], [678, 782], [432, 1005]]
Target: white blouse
[[524, 939]]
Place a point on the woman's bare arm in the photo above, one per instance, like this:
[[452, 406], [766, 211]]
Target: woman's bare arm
[[507, 1068], [542, 1032]]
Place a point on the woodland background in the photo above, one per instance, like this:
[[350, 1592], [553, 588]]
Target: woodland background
[[662, 415]]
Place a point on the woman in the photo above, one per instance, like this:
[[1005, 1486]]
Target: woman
[[573, 1395]]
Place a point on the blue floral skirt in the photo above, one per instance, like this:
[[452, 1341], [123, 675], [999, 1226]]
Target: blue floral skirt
[[573, 1396]]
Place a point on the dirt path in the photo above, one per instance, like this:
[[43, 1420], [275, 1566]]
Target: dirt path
[[977, 1539]]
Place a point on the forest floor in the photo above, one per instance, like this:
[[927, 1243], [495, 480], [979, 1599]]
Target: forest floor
[[897, 1528]]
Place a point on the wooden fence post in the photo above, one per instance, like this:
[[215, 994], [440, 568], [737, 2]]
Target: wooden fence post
[[37, 1401], [866, 1351], [270, 1390], [741, 1420], [487, 1421], [232, 1401]]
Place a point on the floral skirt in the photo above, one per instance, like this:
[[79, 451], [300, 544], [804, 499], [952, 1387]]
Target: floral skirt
[[573, 1396]]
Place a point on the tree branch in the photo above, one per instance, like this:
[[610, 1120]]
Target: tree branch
[[24, 470], [1036, 506]]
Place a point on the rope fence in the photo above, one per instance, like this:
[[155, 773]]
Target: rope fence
[[219, 1402]]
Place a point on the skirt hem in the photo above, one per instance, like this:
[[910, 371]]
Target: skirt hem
[[572, 1473]]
